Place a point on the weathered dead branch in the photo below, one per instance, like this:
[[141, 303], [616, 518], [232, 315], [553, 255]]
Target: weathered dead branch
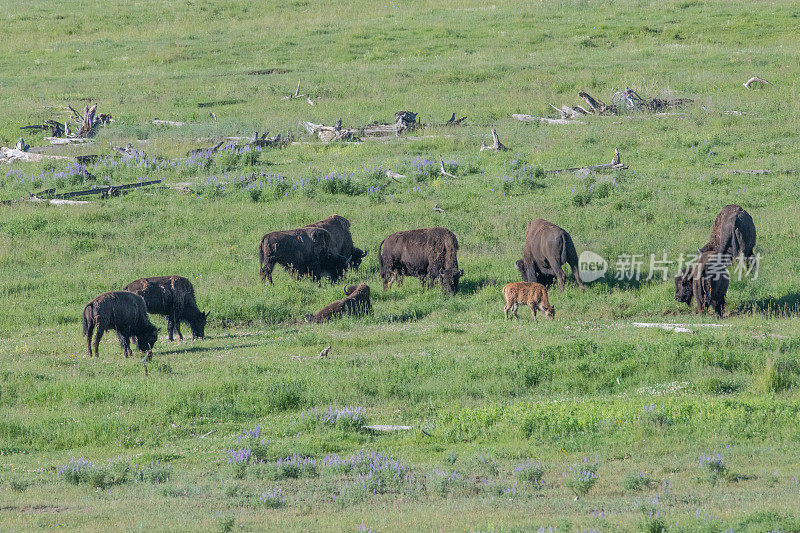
[[755, 79], [204, 151], [453, 121], [297, 94], [443, 171], [616, 164], [87, 123], [496, 145], [330, 133]]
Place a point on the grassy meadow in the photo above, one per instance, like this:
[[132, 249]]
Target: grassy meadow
[[582, 423]]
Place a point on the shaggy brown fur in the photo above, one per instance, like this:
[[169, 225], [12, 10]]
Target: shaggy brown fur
[[733, 233], [547, 247], [124, 312], [707, 282], [172, 297], [534, 295], [356, 302], [430, 254]]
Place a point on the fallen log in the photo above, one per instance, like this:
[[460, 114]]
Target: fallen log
[[616, 164], [443, 171], [205, 151], [544, 120], [496, 145], [597, 106], [109, 190], [158, 122]]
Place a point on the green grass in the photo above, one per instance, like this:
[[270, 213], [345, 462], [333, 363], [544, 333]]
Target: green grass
[[500, 410]]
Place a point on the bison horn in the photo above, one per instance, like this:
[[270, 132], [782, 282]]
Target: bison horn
[[349, 290], [207, 313], [349, 258], [699, 252]]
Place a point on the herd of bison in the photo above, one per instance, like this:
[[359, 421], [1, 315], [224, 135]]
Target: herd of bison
[[325, 249]]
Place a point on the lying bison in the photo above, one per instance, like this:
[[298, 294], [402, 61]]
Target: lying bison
[[733, 233], [341, 240], [547, 247], [172, 297], [428, 254], [356, 302], [304, 252], [124, 312], [706, 281]]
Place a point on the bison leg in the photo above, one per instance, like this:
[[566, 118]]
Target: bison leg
[[123, 342], [561, 278], [506, 309], [89, 334], [514, 308], [97, 338], [176, 321], [533, 311], [170, 327]]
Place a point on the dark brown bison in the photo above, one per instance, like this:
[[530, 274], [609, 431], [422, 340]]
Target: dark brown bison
[[172, 297], [124, 312], [733, 233], [547, 247], [356, 302], [428, 254], [304, 252], [706, 281], [341, 239]]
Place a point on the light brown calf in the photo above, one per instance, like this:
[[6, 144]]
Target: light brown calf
[[534, 295]]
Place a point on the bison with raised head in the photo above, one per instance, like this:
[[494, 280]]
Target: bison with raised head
[[304, 252], [706, 281], [172, 297], [547, 247], [733, 233], [124, 312], [341, 239], [429, 254], [356, 302]]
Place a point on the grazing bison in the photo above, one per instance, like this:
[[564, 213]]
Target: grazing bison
[[706, 281], [547, 247], [304, 251], [534, 295], [173, 297], [341, 239], [428, 254], [733, 233], [124, 312], [356, 302]]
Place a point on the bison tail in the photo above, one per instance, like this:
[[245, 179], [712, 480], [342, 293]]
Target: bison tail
[[737, 244], [87, 311], [380, 255]]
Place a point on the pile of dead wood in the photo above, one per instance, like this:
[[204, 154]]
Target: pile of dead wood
[[86, 124], [624, 101], [403, 121]]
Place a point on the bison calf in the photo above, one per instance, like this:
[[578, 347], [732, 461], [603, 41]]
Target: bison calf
[[172, 297], [124, 312], [356, 303], [534, 295], [707, 282]]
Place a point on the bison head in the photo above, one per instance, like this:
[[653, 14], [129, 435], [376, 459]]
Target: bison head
[[356, 256], [198, 325], [550, 312], [450, 279], [683, 287], [520, 265], [147, 338]]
